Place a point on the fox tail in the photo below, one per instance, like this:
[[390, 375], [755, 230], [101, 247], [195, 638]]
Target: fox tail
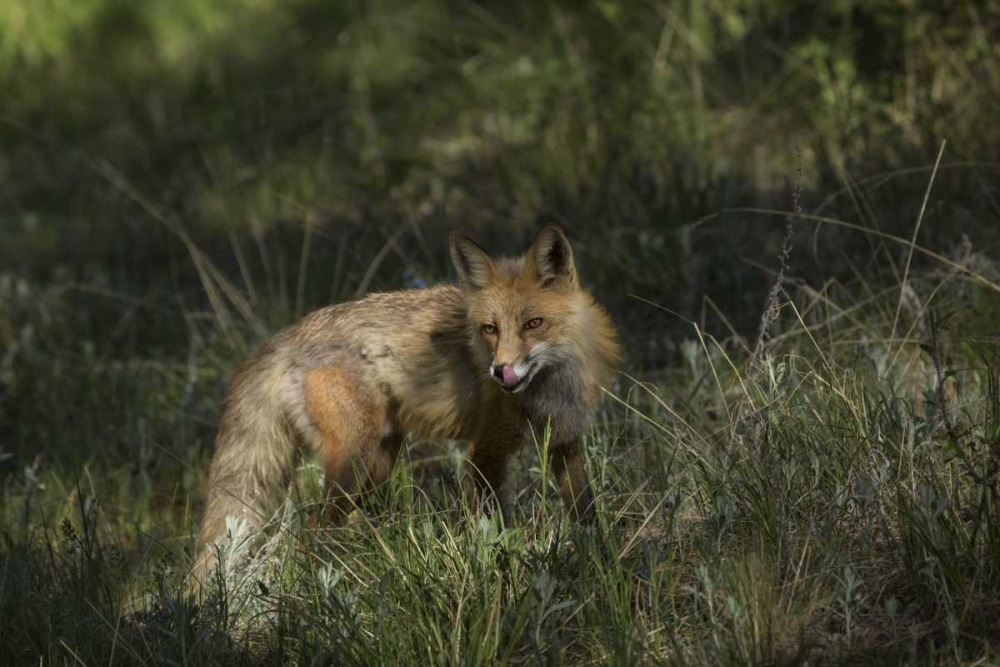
[[250, 468]]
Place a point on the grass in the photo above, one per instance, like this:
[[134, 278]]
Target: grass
[[183, 178], [832, 498]]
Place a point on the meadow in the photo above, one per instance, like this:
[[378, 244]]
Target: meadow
[[792, 214]]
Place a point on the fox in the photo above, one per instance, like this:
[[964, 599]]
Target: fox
[[516, 347]]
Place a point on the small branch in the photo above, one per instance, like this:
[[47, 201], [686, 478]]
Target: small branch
[[772, 307]]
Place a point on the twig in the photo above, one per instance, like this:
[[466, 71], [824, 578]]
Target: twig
[[773, 307]]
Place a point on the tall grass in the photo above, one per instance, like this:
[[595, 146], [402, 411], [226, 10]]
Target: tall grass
[[183, 178], [831, 498]]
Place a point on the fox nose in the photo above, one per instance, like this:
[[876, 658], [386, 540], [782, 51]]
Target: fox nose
[[505, 374]]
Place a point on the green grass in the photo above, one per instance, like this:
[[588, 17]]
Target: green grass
[[181, 178], [833, 498]]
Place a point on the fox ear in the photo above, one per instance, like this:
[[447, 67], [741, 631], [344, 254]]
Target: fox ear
[[552, 257], [474, 266]]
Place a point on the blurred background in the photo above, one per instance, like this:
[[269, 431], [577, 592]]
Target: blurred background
[[182, 177]]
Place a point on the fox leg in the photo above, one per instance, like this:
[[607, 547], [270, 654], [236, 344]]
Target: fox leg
[[569, 467], [489, 474], [490, 455], [380, 465], [349, 481], [353, 438]]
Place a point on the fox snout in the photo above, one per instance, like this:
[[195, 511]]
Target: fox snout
[[513, 377], [506, 375]]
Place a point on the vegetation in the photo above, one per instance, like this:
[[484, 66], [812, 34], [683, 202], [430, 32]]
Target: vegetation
[[790, 209]]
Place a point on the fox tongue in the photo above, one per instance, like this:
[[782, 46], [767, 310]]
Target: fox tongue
[[509, 376]]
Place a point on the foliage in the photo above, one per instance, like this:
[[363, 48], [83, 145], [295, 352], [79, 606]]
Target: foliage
[[183, 177]]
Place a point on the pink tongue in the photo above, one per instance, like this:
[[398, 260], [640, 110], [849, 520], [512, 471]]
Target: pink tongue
[[509, 376]]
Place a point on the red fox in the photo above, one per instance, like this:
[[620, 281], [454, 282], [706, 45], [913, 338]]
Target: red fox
[[519, 344]]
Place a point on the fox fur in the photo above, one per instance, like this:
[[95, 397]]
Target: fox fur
[[517, 344]]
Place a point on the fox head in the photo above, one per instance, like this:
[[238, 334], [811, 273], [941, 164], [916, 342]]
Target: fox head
[[525, 314]]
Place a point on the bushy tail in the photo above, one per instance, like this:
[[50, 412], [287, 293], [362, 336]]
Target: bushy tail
[[250, 468]]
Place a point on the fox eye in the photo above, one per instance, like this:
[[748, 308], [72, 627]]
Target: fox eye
[[489, 329], [533, 323]]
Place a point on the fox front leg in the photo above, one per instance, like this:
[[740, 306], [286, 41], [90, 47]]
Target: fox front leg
[[569, 467], [489, 462]]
